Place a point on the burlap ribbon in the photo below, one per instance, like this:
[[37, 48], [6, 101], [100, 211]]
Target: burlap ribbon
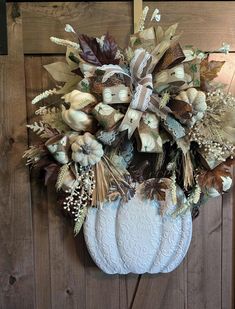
[[140, 76], [159, 67], [144, 103]]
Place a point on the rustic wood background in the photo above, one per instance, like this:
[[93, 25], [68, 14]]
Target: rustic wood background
[[41, 264]]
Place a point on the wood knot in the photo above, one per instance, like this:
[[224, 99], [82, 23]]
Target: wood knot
[[11, 141], [69, 292], [12, 280]]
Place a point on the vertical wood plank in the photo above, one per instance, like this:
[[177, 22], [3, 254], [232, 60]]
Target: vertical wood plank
[[228, 250], [128, 288], [68, 288], [33, 70], [204, 258], [16, 258], [102, 290], [65, 276], [226, 76], [162, 291], [228, 224]]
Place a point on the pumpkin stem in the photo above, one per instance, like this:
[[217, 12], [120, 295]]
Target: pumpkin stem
[[86, 149]]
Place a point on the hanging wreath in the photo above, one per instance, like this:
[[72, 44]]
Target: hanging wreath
[[136, 139]]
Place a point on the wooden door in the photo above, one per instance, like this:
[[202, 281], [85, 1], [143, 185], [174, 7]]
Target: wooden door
[[41, 264]]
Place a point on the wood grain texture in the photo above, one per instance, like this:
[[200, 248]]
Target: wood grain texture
[[162, 291], [39, 202], [42, 20], [128, 289], [228, 227], [16, 245], [227, 249], [41, 264], [204, 258], [66, 252], [211, 20]]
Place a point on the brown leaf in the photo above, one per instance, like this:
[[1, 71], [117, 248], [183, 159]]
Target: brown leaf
[[60, 71], [51, 172], [155, 188], [212, 178], [94, 54], [180, 109], [210, 69]]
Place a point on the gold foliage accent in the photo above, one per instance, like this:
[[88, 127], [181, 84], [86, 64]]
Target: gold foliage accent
[[53, 117], [80, 220], [32, 155], [61, 176]]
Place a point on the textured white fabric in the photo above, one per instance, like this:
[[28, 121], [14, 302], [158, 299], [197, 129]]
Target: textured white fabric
[[134, 238]]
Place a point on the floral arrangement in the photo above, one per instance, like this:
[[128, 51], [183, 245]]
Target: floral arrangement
[[150, 116]]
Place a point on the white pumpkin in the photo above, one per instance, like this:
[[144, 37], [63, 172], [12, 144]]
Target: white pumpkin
[[194, 97], [86, 150], [197, 99], [135, 238], [74, 117]]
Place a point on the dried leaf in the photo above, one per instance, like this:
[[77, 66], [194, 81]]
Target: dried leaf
[[213, 178], [210, 69], [109, 49], [70, 85], [155, 188], [230, 162], [60, 71], [171, 30], [80, 221], [180, 109], [51, 172], [94, 53], [72, 57]]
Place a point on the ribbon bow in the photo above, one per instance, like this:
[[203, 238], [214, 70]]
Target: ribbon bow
[[171, 70], [140, 76]]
